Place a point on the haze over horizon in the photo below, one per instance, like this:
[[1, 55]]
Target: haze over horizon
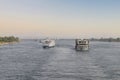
[[60, 18]]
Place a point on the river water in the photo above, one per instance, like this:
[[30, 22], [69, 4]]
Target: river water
[[27, 60]]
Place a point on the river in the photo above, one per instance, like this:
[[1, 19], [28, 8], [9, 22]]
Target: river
[[27, 60]]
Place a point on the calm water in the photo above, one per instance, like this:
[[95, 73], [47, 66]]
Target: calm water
[[27, 60]]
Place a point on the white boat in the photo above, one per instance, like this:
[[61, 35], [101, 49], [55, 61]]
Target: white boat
[[47, 43], [82, 45]]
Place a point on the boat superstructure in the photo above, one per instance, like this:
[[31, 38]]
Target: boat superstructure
[[82, 44]]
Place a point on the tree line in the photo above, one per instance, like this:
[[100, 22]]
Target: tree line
[[9, 39], [106, 39]]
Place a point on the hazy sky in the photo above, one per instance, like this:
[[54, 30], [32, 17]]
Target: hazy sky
[[60, 18]]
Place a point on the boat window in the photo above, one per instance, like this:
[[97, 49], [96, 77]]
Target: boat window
[[80, 42]]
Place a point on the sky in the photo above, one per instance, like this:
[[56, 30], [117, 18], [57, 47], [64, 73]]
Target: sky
[[60, 18]]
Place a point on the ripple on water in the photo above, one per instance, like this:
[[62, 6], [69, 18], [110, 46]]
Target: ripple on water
[[28, 61]]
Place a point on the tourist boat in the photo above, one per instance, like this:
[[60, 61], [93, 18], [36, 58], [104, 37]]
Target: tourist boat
[[48, 43], [82, 45]]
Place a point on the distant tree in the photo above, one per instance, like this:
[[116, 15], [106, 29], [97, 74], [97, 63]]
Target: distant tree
[[118, 38], [9, 39]]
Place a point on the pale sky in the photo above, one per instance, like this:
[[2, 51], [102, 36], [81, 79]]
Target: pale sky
[[60, 18]]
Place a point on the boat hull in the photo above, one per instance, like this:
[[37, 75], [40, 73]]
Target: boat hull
[[82, 47]]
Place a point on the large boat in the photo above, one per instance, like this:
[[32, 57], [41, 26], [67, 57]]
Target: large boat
[[82, 45], [48, 43]]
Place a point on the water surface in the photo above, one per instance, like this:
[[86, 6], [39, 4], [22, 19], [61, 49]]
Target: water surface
[[27, 60]]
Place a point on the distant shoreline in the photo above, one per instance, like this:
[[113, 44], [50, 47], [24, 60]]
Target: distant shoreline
[[8, 40], [5, 43], [106, 39]]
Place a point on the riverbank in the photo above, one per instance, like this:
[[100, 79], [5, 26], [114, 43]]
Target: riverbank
[[5, 43], [106, 39], [8, 40]]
